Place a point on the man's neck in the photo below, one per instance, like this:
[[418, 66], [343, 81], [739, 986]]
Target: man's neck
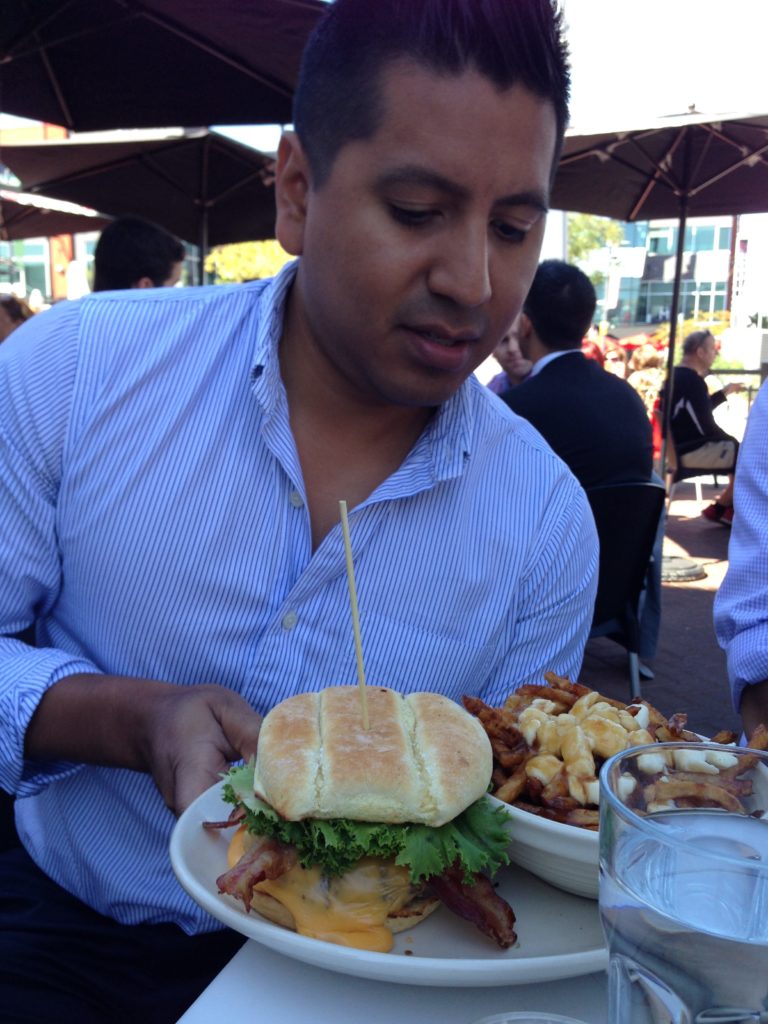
[[347, 446], [693, 364]]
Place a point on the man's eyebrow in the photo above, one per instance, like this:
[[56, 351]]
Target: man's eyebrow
[[420, 176]]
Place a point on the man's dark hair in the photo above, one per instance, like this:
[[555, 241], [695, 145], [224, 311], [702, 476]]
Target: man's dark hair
[[131, 248], [694, 341], [338, 97], [560, 304], [17, 309]]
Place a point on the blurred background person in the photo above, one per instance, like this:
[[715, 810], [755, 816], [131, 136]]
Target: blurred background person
[[515, 367], [597, 425], [614, 357], [134, 253], [646, 374], [592, 350], [13, 313], [700, 443]]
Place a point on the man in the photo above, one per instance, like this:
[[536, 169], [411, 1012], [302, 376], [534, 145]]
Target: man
[[13, 313], [593, 420], [699, 442], [741, 604], [133, 253], [514, 366], [171, 509]]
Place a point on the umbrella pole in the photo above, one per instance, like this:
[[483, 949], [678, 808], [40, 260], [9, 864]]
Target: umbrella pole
[[668, 397], [203, 245]]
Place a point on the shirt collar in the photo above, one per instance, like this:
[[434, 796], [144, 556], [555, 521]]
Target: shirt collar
[[550, 358], [447, 440]]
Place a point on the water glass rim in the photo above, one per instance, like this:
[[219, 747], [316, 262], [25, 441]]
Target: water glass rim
[[646, 824]]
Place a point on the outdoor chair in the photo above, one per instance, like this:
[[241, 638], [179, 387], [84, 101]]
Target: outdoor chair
[[626, 517], [674, 473]]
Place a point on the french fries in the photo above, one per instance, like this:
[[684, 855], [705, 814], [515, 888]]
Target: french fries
[[550, 741]]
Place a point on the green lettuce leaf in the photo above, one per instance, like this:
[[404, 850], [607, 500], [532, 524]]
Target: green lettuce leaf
[[477, 838]]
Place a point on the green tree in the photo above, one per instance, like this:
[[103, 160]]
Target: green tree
[[246, 261], [587, 233]]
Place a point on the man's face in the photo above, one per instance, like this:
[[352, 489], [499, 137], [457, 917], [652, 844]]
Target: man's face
[[510, 358], [707, 353], [419, 248]]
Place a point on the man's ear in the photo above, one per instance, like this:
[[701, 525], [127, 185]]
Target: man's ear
[[292, 185], [524, 326]]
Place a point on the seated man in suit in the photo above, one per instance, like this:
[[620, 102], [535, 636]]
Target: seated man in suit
[[593, 420]]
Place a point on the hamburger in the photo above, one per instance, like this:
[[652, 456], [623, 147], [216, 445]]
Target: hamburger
[[350, 834]]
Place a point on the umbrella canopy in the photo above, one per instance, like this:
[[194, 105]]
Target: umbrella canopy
[[92, 65], [201, 186], [28, 216], [680, 167]]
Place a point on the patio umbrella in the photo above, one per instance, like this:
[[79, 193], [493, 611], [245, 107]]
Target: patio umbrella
[[28, 216], [201, 186], [92, 65], [684, 166]]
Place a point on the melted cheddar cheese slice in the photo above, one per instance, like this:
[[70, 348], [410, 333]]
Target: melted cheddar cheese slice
[[350, 910]]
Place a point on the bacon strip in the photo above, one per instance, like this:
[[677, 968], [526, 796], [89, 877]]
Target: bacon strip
[[267, 859], [478, 903], [235, 817]]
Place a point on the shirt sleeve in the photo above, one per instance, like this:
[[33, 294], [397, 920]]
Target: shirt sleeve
[[741, 605], [554, 610], [38, 367]]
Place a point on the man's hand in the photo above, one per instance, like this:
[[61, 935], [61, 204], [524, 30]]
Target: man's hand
[[193, 736], [733, 388], [185, 736]]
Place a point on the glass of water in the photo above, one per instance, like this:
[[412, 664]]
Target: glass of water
[[684, 883]]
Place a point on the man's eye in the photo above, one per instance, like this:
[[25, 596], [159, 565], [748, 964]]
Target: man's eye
[[413, 218], [509, 232]]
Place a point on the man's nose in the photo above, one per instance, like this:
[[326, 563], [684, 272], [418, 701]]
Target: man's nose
[[461, 269]]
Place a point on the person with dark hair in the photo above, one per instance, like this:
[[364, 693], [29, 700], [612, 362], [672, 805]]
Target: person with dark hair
[[13, 313], [593, 420], [699, 442], [171, 508], [133, 253]]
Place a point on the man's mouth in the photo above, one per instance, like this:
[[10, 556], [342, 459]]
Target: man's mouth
[[445, 336], [442, 348]]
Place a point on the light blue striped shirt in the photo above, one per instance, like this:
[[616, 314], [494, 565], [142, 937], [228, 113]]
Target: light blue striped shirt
[[154, 523], [741, 604]]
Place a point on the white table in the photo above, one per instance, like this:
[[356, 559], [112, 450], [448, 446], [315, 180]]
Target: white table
[[258, 984]]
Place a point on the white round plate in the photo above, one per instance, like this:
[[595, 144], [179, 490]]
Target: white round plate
[[559, 935]]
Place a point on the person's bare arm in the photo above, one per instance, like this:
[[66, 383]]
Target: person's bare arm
[[754, 707], [184, 736]]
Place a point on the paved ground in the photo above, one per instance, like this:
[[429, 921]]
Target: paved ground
[[689, 668]]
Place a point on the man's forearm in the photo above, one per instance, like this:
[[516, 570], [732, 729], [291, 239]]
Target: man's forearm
[[185, 736], [754, 707], [95, 719]]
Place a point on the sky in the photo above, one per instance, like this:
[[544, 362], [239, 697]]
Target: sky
[[634, 60]]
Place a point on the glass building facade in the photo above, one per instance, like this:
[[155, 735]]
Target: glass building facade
[[637, 287]]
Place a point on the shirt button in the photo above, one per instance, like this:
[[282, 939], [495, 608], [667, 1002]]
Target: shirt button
[[289, 620], [296, 499]]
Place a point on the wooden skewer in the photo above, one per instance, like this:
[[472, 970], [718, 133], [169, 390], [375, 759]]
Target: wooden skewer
[[355, 612]]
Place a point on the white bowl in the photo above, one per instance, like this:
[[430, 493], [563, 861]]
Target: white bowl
[[528, 1016], [566, 856]]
